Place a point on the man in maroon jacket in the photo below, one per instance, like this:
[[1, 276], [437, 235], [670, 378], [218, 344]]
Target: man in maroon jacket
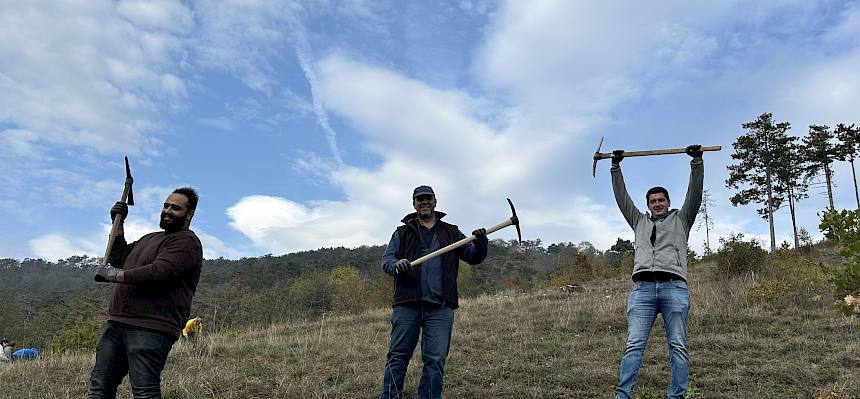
[[156, 278]]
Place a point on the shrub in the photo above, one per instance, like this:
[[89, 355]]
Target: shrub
[[806, 242], [738, 257], [692, 257], [620, 255], [310, 292], [769, 290], [80, 336], [843, 227], [347, 289], [572, 267]]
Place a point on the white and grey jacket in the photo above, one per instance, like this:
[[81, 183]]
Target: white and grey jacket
[[669, 251]]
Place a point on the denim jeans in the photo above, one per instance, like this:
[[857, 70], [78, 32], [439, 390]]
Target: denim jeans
[[672, 300], [124, 349], [435, 323]]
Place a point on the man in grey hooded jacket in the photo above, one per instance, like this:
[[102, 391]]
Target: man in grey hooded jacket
[[659, 272]]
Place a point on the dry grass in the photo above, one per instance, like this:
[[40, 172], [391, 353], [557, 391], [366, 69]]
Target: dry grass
[[541, 344]]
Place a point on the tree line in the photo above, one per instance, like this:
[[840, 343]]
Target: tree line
[[775, 169], [57, 306]]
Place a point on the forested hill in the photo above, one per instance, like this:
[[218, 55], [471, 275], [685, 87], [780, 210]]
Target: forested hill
[[35, 278], [57, 305]]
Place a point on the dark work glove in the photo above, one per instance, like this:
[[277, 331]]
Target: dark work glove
[[120, 208], [401, 266], [105, 274], [480, 235], [694, 151], [617, 156]]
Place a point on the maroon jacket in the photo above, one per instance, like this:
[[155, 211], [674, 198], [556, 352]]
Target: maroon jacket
[[161, 272]]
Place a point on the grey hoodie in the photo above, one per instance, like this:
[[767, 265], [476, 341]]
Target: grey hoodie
[[669, 252]]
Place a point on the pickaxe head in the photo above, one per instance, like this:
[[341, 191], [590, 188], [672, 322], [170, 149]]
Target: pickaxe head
[[515, 221], [596, 158], [128, 182]]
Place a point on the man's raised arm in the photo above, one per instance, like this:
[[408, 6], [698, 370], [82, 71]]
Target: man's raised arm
[[622, 198], [693, 200]]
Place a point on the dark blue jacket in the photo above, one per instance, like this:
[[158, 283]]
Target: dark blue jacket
[[405, 244]]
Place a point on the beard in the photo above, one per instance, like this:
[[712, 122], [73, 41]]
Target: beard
[[174, 225]]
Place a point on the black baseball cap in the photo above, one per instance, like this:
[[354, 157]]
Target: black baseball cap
[[422, 190]]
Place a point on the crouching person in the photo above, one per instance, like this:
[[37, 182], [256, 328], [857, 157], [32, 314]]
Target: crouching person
[[155, 278], [193, 329], [424, 297]]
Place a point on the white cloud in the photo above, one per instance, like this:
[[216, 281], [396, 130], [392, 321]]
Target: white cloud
[[682, 46], [214, 248], [435, 139], [218, 122], [95, 80], [847, 29], [138, 223], [249, 39], [828, 94], [159, 15], [54, 246], [242, 37], [17, 142], [85, 194], [568, 50], [281, 225], [254, 216]]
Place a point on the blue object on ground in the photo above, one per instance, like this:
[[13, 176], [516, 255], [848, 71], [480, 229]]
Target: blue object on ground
[[25, 354]]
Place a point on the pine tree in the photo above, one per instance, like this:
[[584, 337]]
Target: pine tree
[[791, 184], [820, 151], [760, 153], [706, 221], [849, 149]]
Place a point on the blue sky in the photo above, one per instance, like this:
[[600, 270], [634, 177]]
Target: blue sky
[[306, 124]]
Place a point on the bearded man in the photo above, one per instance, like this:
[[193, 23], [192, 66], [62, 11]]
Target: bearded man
[[156, 277]]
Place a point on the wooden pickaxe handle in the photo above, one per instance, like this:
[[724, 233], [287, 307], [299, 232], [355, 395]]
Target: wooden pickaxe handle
[[513, 220], [604, 155], [127, 197], [458, 244]]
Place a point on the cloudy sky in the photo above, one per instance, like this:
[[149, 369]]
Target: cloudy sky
[[306, 124]]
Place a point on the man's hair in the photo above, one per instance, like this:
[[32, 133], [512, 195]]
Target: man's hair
[[189, 193], [656, 190]]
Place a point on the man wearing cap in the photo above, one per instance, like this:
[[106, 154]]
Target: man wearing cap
[[424, 297]]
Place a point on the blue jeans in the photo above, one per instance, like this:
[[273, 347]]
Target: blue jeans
[[435, 324], [672, 300], [125, 349]]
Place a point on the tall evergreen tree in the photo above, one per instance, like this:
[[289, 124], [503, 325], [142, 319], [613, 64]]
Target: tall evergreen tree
[[706, 221], [820, 151], [849, 146], [760, 153], [792, 184]]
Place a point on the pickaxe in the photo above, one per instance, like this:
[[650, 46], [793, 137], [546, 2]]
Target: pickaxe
[[128, 198], [513, 220], [603, 155]]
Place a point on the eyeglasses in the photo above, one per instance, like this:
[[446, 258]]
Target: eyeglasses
[[423, 197]]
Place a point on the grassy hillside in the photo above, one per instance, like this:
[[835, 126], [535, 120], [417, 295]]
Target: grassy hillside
[[766, 335]]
